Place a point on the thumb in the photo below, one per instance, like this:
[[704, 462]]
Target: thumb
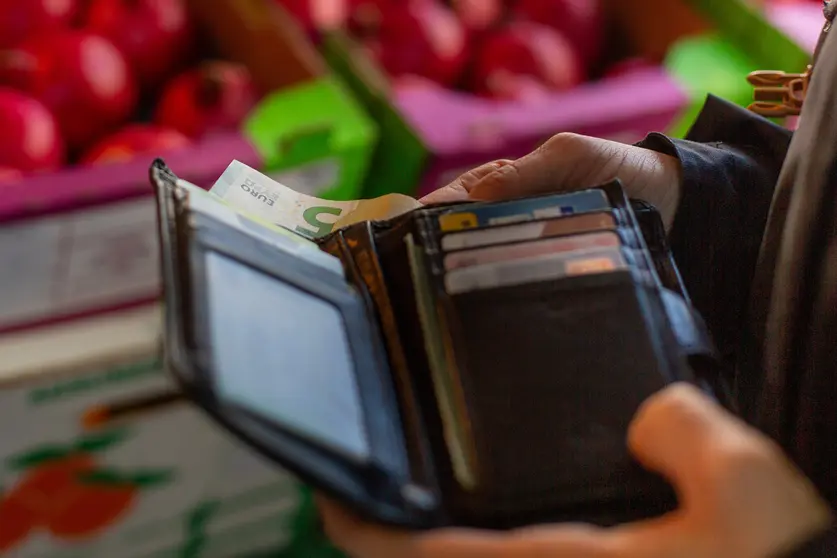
[[677, 431]]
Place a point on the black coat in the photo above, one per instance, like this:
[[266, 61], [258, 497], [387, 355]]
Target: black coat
[[731, 162]]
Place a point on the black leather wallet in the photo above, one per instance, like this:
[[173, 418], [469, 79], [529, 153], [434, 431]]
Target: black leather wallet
[[468, 364]]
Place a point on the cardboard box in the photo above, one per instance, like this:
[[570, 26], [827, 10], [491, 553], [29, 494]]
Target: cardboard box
[[80, 478], [82, 240], [429, 136]]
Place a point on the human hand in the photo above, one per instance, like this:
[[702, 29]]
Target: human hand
[[570, 161], [740, 498]]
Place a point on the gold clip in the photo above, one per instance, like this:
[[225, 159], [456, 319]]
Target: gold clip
[[778, 94]]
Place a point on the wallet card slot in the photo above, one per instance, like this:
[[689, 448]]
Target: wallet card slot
[[553, 372], [536, 229], [558, 266], [361, 254]]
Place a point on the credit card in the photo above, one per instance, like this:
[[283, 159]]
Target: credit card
[[533, 270], [509, 252], [586, 222], [529, 209]]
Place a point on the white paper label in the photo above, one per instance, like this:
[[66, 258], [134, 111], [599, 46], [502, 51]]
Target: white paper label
[[78, 261]]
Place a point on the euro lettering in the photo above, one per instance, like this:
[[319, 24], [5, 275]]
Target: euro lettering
[[252, 188]]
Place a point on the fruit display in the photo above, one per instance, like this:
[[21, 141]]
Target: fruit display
[[504, 49], [457, 82], [103, 81], [100, 88]]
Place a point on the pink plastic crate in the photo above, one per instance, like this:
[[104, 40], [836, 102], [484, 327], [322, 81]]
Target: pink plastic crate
[[83, 241], [462, 131]]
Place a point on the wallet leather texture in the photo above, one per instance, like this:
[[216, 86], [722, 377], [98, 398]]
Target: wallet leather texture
[[487, 400]]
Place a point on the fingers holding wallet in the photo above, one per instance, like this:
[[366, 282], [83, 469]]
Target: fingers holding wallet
[[740, 498]]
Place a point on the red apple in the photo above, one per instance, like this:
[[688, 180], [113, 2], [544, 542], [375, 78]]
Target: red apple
[[315, 15], [581, 21], [216, 96], [154, 35], [479, 15], [366, 16], [524, 60], [134, 140], [81, 77], [30, 140], [421, 38], [24, 19]]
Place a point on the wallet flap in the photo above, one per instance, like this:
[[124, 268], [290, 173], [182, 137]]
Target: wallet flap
[[280, 349]]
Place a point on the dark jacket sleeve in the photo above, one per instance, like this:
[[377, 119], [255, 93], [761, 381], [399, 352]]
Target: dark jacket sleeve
[[821, 546], [731, 160]]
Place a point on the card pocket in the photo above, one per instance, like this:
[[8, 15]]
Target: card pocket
[[538, 229], [375, 258], [552, 373]]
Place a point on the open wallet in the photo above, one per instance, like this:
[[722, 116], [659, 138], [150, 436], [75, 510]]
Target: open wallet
[[473, 364]]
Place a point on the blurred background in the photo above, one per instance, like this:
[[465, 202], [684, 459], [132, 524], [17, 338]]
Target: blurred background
[[341, 99]]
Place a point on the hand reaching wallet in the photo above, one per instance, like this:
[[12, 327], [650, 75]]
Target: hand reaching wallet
[[468, 364]]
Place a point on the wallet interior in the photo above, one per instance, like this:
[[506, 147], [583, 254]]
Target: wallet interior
[[430, 382]]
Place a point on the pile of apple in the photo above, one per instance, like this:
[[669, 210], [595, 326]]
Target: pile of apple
[[102, 81], [501, 49]]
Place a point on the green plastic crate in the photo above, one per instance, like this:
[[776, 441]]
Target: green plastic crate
[[400, 157], [709, 64], [315, 137], [748, 29]]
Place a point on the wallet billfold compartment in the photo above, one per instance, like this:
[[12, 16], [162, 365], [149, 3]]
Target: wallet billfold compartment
[[472, 364]]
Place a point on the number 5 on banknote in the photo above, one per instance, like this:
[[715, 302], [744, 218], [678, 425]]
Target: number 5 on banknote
[[312, 217]]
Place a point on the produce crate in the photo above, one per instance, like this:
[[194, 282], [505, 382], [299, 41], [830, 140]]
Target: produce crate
[[710, 63], [430, 135], [83, 240], [746, 37], [118, 465], [699, 55], [311, 133], [748, 28]]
